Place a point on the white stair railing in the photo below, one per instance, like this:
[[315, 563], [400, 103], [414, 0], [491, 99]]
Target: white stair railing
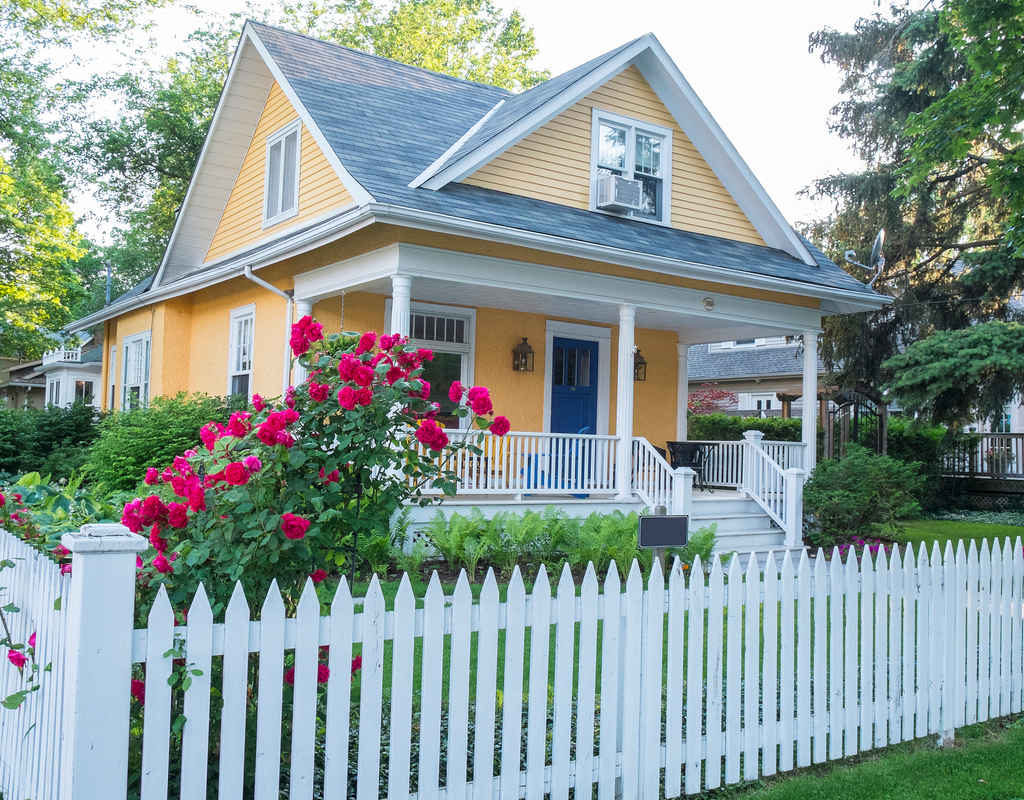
[[656, 483], [778, 491]]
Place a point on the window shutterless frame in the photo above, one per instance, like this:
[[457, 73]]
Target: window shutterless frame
[[281, 176], [240, 350], [636, 150], [135, 371]]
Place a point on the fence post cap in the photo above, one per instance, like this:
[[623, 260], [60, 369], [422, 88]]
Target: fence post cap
[[684, 472], [104, 538], [755, 435], [796, 472]]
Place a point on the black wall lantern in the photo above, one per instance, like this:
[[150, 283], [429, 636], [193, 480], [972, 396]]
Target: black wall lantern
[[639, 365], [522, 357]]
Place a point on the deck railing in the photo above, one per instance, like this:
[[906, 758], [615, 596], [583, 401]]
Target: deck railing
[[723, 464], [992, 455], [535, 463], [653, 477], [778, 491]]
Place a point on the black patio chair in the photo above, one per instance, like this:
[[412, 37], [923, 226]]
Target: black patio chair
[[690, 454]]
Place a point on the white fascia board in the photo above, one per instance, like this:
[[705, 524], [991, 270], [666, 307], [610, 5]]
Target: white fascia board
[[356, 189], [328, 281], [218, 112], [354, 220], [521, 276], [441, 223], [419, 179], [552, 108], [722, 156]]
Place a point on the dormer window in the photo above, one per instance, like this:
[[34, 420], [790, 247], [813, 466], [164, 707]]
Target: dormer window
[[631, 168], [281, 193]]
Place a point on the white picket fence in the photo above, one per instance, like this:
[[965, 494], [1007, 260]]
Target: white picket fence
[[855, 656], [30, 735], [649, 692]]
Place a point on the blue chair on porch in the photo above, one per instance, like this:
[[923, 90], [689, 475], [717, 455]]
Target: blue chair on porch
[[557, 472]]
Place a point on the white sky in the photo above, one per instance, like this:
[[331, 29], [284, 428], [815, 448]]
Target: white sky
[[747, 60]]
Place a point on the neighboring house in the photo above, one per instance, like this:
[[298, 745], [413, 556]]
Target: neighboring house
[[765, 373], [601, 212], [21, 384], [74, 375]]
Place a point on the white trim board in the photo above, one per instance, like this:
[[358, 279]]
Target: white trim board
[[590, 333]]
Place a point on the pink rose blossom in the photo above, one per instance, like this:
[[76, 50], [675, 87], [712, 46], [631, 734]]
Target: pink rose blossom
[[18, 659], [289, 677], [294, 526], [176, 516], [347, 398], [318, 576], [197, 498], [65, 569], [363, 375], [236, 474], [318, 392], [455, 392], [357, 664], [32, 640], [364, 396], [323, 673], [162, 565], [423, 354], [366, 342], [152, 476], [139, 691], [252, 463], [500, 426], [347, 366], [258, 403], [387, 341], [481, 403], [60, 551]]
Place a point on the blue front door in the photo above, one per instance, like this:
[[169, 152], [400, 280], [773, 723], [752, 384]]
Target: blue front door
[[574, 386]]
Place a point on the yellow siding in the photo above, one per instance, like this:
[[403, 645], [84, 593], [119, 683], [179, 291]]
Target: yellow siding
[[553, 162], [320, 189]]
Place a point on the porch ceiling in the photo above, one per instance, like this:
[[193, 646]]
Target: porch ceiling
[[450, 278]]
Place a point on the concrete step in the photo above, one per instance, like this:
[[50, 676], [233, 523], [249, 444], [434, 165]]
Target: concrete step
[[750, 540], [734, 523]]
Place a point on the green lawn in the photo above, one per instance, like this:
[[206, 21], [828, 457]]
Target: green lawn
[[986, 763], [932, 530]]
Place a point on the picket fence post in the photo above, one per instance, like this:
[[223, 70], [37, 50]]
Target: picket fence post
[[101, 611]]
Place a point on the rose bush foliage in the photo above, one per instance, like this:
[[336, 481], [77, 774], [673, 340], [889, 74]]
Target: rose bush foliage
[[279, 492]]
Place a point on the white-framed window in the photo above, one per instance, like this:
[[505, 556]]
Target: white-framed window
[[740, 344], [243, 322], [112, 378], [53, 392], [135, 374], [84, 391], [635, 150], [281, 179], [450, 332]]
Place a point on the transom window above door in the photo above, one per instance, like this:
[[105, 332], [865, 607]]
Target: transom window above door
[[638, 156]]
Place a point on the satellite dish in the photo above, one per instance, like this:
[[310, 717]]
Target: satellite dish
[[876, 251], [877, 260]]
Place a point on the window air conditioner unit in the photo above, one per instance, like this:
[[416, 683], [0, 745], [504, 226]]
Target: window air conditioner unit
[[615, 193]]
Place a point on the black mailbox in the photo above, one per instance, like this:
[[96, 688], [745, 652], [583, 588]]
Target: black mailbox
[[662, 530]]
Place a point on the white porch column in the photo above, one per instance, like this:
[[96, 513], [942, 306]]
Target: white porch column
[[810, 402], [303, 308], [682, 391], [401, 298], [624, 403]]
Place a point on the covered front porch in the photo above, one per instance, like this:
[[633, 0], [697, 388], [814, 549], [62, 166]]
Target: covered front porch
[[587, 432]]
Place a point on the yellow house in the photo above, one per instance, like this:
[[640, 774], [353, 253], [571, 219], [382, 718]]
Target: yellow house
[[601, 219]]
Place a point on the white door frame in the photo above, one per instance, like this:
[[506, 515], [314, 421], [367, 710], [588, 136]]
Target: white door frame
[[590, 333]]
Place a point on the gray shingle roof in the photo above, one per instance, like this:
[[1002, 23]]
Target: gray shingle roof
[[753, 362], [387, 122]]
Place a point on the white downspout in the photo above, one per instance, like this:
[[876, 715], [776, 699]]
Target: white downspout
[[287, 379]]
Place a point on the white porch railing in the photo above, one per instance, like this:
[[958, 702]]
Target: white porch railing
[[778, 491], [653, 477], [535, 463], [54, 356], [723, 465]]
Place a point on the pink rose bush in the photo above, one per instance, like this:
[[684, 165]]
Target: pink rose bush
[[284, 489]]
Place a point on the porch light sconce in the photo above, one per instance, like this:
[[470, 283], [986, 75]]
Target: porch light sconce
[[522, 357], [639, 365]]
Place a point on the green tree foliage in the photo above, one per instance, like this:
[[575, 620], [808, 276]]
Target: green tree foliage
[[53, 441], [725, 428], [952, 375], [949, 262], [39, 286], [142, 158]]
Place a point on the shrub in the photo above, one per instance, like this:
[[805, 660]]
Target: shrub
[[53, 441], [725, 428], [131, 441], [910, 441], [851, 496]]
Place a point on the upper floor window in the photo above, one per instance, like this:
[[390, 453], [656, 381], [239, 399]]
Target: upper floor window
[[240, 350], [135, 384], [281, 192], [631, 168]]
